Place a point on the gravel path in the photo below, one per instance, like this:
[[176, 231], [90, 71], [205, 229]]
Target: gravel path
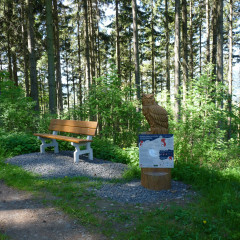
[[50, 165]]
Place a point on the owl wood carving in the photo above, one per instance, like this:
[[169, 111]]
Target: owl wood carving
[[156, 115]]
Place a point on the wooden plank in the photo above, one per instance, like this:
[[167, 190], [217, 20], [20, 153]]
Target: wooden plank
[[73, 126], [70, 129], [63, 138], [74, 123]]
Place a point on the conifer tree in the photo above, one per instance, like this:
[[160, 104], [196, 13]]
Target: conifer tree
[[136, 50], [177, 61], [32, 56], [50, 52]]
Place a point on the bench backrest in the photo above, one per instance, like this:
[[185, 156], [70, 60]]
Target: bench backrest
[[73, 126]]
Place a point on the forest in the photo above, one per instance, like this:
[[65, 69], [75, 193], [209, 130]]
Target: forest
[[93, 60]]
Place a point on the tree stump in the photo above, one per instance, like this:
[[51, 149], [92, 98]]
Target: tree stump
[[156, 178]]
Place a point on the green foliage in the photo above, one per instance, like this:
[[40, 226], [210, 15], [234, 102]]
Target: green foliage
[[200, 137], [132, 172], [43, 122], [109, 102], [4, 237], [18, 143], [105, 149], [220, 196], [16, 111]]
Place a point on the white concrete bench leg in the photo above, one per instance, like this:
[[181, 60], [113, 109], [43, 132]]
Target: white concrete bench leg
[[53, 143], [89, 149], [79, 152]]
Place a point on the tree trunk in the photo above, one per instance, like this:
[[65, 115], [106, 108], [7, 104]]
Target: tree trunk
[[98, 48], [239, 124], [167, 48], [1, 64], [220, 42], [230, 47], [220, 46], [118, 60], [200, 48], [58, 60], [67, 78], [88, 82], [15, 77], [130, 63], [153, 52], [191, 42], [74, 92], [8, 14], [92, 42], [207, 32], [9, 56], [79, 55], [24, 47], [32, 58], [135, 47], [185, 50], [214, 41], [99, 53], [50, 52], [177, 61], [41, 92]]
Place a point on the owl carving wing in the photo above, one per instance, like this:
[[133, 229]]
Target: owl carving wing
[[159, 118]]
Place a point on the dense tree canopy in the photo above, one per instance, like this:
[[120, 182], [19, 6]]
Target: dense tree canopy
[[56, 50]]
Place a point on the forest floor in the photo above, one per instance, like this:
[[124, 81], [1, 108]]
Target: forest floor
[[28, 216], [69, 208], [24, 216]]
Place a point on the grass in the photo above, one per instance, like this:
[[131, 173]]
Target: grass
[[215, 214], [3, 237]]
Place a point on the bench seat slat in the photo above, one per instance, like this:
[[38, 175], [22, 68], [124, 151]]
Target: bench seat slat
[[64, 138], [71, 129], [74, 123]]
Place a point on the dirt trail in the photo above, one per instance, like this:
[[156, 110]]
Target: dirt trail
[[22, 217]]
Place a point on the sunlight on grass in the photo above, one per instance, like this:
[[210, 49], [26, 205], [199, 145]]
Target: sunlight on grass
[[4, 237]]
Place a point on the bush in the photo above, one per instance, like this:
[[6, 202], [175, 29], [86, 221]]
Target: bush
[[18, 143], [16, 111], [201, 136], [112, 103], [105, 149]]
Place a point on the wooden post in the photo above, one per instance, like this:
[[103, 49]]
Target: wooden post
[[156, 178]]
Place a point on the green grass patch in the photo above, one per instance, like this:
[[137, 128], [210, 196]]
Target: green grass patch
[[4, 237], [132, 172]]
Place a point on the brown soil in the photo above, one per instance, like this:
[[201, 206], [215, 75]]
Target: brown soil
[[23, 217]]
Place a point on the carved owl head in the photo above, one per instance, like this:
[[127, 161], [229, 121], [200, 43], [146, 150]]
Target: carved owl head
[[148, 99]]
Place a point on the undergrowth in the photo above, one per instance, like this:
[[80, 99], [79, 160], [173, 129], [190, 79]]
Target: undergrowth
[[4, 237]]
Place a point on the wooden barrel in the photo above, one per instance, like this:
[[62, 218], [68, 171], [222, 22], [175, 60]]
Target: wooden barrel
[[156, 178]]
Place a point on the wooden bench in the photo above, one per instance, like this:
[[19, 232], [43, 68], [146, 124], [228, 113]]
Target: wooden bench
[[70, 126]]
